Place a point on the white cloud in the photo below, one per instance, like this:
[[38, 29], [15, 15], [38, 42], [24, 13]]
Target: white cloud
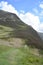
[[41, 10], [35, 10], [41, 13], [31, 19], [7, 7], [22, 11], [41, 27], [28, 17], [41, 5]]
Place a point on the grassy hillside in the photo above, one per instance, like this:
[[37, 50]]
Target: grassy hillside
[[18, 42], [5, 31], [13, 27], [11, 54], [20, 56]]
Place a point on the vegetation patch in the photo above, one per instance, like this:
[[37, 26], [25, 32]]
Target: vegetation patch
[[19, 56], [5, 31]]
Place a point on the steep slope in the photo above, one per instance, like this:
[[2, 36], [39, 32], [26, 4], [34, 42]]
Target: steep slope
[[20, 29], [41, 35]]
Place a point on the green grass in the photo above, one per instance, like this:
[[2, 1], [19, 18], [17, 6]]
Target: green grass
[[19, 56], [5, 31]]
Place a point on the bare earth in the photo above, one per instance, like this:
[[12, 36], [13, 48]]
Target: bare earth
[[15, 42]]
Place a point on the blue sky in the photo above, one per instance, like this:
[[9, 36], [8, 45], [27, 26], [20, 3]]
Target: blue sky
[[26, 5], [30, 11]]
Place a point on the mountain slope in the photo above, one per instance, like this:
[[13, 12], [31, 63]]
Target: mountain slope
[[41, 35], [20, 29]]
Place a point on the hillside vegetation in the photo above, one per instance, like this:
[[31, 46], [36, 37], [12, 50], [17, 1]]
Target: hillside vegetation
[[20, 56], [18, 29], [20, 44]]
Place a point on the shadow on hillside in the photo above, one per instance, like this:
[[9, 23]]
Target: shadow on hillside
[[15, 34], [41, 51], [23, 33]]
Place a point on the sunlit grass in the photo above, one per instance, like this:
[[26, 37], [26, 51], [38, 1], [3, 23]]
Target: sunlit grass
[[19, 56], [4, 31]]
